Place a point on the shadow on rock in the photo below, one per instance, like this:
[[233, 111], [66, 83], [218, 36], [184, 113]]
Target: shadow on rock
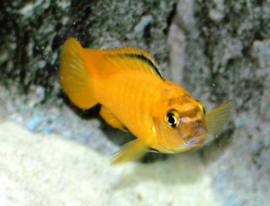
[[185, 168]]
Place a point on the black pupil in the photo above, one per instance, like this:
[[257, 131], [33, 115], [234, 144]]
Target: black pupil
[[171, 119]]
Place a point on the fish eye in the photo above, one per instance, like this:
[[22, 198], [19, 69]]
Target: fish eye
[[172, 119], [201, 106]]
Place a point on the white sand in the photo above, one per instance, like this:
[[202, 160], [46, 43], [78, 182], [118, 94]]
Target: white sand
[[48, 170]]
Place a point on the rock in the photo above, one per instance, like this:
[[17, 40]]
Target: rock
[[31, 37], [229, 59]]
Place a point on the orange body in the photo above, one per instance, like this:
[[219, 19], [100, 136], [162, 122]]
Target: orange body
[[136, 98]]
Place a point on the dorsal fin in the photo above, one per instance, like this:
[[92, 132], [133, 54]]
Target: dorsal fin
[[132, 60]]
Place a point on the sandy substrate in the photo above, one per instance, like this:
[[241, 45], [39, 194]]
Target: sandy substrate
[[48, 170]]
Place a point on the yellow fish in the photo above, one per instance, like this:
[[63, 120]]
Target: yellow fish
[[135, 97]]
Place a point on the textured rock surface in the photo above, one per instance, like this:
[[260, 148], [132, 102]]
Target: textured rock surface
[[32, 36], [227, 56], [216, 49]]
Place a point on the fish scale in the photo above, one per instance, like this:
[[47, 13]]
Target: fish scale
[[132, 112]]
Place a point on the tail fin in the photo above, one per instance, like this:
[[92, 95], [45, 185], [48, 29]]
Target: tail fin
[[74, 76]]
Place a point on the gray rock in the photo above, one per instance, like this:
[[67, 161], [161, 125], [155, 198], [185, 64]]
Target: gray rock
[[31, 37], [228, 58]]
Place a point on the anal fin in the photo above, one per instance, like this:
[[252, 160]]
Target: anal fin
[[130, 151], [112, 120]]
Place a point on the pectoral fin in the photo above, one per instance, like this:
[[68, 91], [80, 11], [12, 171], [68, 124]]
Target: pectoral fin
[[130, 151], [112, 120], [217, 118]]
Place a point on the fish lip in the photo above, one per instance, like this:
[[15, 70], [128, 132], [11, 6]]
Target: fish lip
[[198, 133], [199, 140]]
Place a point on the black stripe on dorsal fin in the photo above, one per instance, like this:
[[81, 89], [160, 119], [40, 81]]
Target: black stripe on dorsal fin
[[136, 54], [146, 60]]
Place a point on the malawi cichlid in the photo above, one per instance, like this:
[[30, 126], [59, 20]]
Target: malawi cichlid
[[135, 97]]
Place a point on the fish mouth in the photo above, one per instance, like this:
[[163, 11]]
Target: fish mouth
[[197, 138], [198, 133]]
